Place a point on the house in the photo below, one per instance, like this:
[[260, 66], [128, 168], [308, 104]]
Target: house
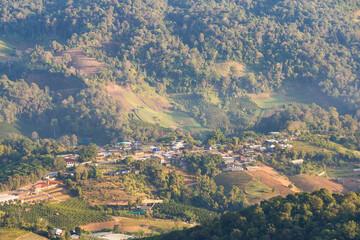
[[178, 145], [298, 161], [71, 162], [50, 176], [228, 160], [57, 231]]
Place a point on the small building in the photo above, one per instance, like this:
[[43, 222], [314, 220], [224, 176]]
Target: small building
[[298, 161], [252, 168], [57, 231], [110, 236]]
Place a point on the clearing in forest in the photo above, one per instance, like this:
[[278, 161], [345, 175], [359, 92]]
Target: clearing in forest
[[129, 225], [225, 69], [80, 61], [268, 100], [152, 108]]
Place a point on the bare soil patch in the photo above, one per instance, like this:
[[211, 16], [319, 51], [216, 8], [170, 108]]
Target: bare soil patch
[[309, 183], [136, 225], [350, 184]]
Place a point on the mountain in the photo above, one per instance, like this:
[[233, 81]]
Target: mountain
[[112, 70]]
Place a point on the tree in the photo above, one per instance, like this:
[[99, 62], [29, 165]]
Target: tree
[[87, 153]]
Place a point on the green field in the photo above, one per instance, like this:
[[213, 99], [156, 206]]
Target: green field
[[11, 234], [277, 100], [256, 191], [229, 179]]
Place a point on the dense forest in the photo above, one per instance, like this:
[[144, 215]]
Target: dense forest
[[318, 215], [175, 47]]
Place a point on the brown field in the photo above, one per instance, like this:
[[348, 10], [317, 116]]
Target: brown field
[[81, 62], [309, 183], [271, 178], [117, 93], [151, 99], [136, 225], [350, 184]]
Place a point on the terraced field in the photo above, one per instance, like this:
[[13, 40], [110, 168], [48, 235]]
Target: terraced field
[[152, 108]]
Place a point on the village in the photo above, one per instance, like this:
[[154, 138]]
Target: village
[[171, 155]]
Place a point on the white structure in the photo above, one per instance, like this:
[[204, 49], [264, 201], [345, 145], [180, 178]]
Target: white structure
[[110, 236], [57, 231], [7, 198], [298, 161]]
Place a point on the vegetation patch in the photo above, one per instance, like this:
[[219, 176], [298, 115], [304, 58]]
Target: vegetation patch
[[256, 191], [226, 68], [11, 233], [152, 108], [268, 101], [131, 225], [230, 179]]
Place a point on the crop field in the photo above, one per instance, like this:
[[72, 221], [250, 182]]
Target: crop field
[[310, 183], [11, 233], [66, 215], [153, 109], [229, 179]]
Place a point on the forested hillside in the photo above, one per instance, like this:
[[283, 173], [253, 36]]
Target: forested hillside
[[319, 215], [203, 56]]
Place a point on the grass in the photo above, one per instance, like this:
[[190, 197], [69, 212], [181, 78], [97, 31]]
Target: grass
[[229, 179], [299, 145], [11, 233], [277, 100], [256, 191]]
